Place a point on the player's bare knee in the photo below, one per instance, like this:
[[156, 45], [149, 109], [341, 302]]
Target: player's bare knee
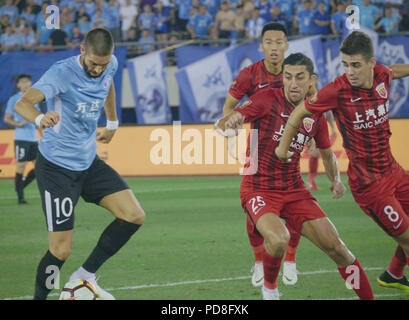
[[276, 243], [61, 252], [134, 214], [340, 253]]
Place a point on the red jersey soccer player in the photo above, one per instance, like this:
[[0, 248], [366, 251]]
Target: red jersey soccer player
[[262, 75], [275, 190], [359, 100]]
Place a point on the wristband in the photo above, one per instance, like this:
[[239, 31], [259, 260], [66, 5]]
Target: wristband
[[38, 119], [112, 125]]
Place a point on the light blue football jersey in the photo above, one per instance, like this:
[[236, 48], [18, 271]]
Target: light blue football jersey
[[78, 99], [26, 132]]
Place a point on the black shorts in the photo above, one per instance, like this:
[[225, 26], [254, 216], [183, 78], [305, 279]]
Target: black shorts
[[25, 150], [61, 188]]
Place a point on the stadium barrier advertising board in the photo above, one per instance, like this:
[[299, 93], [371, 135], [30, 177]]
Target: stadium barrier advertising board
[[190, 150]]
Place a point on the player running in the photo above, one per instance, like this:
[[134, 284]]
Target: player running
[[312, 151], [264, 74], [276, 189], [359, 100], [67, 165], [25, 138]]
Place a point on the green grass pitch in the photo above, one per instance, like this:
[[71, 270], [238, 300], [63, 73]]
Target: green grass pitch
[[193, 244]]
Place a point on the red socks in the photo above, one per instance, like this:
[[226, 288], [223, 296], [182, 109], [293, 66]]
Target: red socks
[[358, 280], [398, 263], [271, 267], [256, 241], [292, 248]]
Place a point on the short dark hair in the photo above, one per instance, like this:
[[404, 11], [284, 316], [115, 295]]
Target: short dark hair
[[23, 76], [358, 43], [300, 59], [99, 41], [274, 26]]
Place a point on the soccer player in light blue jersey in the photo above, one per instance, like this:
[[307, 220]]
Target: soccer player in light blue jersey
[[25, 138], [67, 165]]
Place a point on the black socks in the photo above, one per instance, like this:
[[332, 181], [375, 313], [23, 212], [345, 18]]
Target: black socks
[[112, 239], [47, 273]]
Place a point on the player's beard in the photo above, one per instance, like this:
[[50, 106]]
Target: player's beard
[[86, 69]]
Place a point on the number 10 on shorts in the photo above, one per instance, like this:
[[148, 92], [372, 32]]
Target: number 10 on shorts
[[63, 210]]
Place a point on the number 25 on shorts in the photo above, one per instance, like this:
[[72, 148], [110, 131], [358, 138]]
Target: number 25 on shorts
[[256, 204]]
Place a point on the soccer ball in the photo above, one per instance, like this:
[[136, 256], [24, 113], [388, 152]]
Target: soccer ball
[[79, 290]]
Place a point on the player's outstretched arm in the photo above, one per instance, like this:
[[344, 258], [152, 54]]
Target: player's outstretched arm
[[331, 168], [106, 134], [25, 108], [290, 130], [229, 124], [400, 70], [229, 104]]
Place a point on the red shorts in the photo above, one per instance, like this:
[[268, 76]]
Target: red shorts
[[386, 201], [294, 207]]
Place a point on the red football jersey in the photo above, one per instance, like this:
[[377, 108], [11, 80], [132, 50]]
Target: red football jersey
[[268, 112], [254, 78], [362, 119]]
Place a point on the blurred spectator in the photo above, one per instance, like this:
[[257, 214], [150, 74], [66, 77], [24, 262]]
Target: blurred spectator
[[303, 20], [4, 22], [183, 8], [80, 13], [146, 19], [84, 24], [368, 14], [26, 39], [278, 16], [212, 6], [327, 5], [233, 4], [321, 20], [9, 9], [248, 7], [58, 38], [161, 21], [133, 35], [396, 6], [338, 19], [133, 2], [36, 7], [239, 23], [98, 20], [29, 16], [89, 6], [76, 37], [224, 22], [66, 23], [146, 42], [265, 10], [102, 5], [200, 24], [254, 25], [404, 23], [111, 14], [150, 2], [127, 13], [43, 33], [388, 23], [19, 24], [287, 8], [77, 5], [8, 40]]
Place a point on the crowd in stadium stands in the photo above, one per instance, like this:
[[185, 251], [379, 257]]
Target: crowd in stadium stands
[[23, 23]]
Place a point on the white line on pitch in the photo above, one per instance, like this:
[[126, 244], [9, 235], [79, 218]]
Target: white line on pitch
[[173, 284]]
